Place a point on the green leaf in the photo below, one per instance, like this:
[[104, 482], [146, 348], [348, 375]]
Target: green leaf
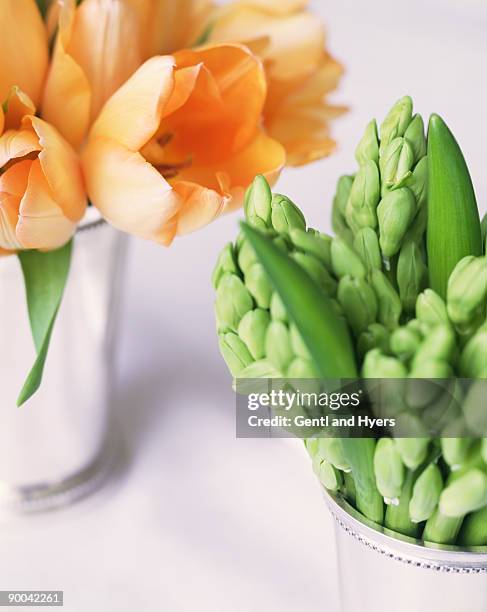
[[204, 37], [45, 276], [43, 6], [453, 219], [324, 333], [328, 341]]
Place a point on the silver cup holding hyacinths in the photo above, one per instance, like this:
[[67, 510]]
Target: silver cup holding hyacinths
[[398, 294]]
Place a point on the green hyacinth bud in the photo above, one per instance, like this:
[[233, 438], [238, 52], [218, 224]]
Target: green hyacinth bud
[[455, 451], [253, 329], [445, 408], [396, 122], [396, 163], [466, 494], [365, 195], [246, 256], [235, 353], [233, 300], [474, 408], [331, 449], [366, 244], [483, 450], [257, 203], [416, 138], [278, 345], [378, 365], [418, 182], [278, 310], [301, 368], [317, 271], [342, 194], [412, 275], [467, 290], [329, 477], [431, 309], [225, 264], [286, 215], [395, 212], [311, 445], [375, 336], [426, 494], [297, 343], [404, 342], [368, 147], [389, 302], [439, 344], [389, 470], [474, 529], [358, 301], [345, 261], [260, 369], [473, 361], [340, 226], [432, 368], [413, 451], [417, 229], [258, 284], [313, 243]]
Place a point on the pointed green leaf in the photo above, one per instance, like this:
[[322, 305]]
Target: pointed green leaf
[[45, 276], [328, 341], [322, 330], [453, 219]]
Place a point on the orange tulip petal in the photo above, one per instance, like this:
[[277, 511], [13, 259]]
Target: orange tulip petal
[[127, 190], [17, 143], [2, 120], [67, 97], [9, 210], [41, 224], [133, 114], [185, 80], [62, 169], [295, 40], [276, 6], [208, 193], [104, 43], [168, 25], [18, 105], [213, 125], [14, 180], [23, 48], [201, 206]]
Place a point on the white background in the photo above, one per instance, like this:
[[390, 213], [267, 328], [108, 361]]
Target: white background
[[197, 520]]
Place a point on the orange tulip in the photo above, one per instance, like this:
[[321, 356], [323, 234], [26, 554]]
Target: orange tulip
[[177, 145], [170, 25], [97, 49], [23, 48], [41, 188], [300, 72]]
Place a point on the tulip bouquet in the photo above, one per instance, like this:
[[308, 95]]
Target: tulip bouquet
[[399, 292], [156, 112]]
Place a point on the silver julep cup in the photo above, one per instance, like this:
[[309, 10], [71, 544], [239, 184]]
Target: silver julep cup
[[58, 445], [379, 573]]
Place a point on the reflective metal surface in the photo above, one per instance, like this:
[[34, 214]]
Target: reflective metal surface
[[57, 447], [379, 572]]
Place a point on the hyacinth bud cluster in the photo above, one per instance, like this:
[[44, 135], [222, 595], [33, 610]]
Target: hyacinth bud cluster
[[255, 335], [375, 271]]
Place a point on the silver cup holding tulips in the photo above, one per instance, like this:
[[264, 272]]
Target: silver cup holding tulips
[[148, 117]]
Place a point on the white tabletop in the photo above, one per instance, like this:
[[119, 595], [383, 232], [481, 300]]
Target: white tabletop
[[197, 520]]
